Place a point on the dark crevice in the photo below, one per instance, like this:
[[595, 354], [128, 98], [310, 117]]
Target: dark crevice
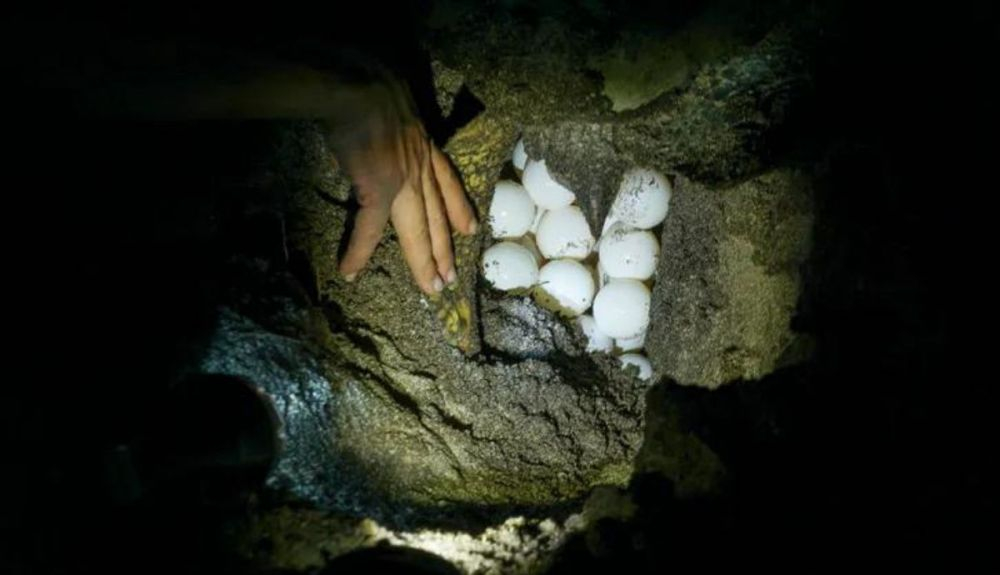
[[302, 273], [464, 109], [345, 238], [450, 420], [401, 398], [338, 323], [423, 373]]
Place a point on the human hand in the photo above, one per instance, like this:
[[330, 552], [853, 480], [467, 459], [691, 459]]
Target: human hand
[[401, 175]]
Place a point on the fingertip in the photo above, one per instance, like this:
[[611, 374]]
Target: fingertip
[[431, 286], [348, 270], [446, 268], [353, 261], [345, 270], [464, 221]]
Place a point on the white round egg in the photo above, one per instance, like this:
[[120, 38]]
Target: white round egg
[[621, 308], [547, 193], [629, 253], [567, 285], [511, 210], [634, 359], [643, 199], [508, 266], [631, 343], [564, 233], [520, 156], [597, 340]]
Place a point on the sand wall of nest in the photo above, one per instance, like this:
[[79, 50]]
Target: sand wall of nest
[[477, 400]]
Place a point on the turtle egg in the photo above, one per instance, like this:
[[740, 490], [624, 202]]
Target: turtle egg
[[546, 192], [564, 233], [508, 266], [645, 368], [621, 308], [568, 286], [596, 339], [511, 210], [520, 156], [643, 199], [631, 343], [629, 253]]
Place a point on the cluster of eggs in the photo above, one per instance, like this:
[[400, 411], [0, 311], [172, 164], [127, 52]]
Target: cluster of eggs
[[545, 245]]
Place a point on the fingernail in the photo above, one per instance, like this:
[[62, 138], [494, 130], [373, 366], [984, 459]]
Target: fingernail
[[452, 276], [350, 277], [473, 227], [438, 285]]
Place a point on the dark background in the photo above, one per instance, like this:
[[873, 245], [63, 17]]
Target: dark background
[[887, 439]]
